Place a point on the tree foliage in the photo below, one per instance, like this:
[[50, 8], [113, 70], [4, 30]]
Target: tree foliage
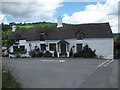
[[55, 53], [71, 52], [117, 48]]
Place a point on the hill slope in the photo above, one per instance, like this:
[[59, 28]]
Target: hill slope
[[116, 35]]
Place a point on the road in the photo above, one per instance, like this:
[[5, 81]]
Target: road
[[65, 72]]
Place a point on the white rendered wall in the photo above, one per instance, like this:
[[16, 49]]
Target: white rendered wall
[[21, 42], [73, 42], [37, 43], [103, 46]]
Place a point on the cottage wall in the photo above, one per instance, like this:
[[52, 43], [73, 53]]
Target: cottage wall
[[102, 46], [38, 42]]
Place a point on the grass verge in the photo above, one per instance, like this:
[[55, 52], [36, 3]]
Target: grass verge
[[8, 80]]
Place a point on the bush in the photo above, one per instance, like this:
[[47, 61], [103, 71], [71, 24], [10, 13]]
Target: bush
[[35, 53], [86, 53], [78, 54], [117, 48], [24, 57], [71, 52], [47, 54], [32, 53], [18, 56], [39, 54], [55, 53]]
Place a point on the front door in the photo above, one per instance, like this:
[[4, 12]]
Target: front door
[[63, 48]]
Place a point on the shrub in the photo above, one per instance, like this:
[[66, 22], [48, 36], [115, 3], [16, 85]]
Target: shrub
[[71, 52], [55, 53], [32, 53], [35, 53], [18, 56], [8, 80], [78, 54], [47, 54], [39, 54], [24, 57], [117, 48], [86, 53]]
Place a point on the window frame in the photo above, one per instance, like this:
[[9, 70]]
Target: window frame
[[22, 46], [15, 50], [52, 48], [78, 49], [43, 49]]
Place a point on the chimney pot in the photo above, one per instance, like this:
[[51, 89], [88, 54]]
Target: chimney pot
[[59, 22], [14, 28]]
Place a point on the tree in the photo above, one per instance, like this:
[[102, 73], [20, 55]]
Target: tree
[[55, 53], [5, 34], [6, 27], [71, 52], [117, 48]]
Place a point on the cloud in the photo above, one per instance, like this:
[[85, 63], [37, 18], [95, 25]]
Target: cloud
[[41, 10], [98, 13], [3, 19]]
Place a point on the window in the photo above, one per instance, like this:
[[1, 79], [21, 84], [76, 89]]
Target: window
[[22, 48], [52, 47], [15, 48], [79, 47], [79, 35], [42, 36], [43, 47]]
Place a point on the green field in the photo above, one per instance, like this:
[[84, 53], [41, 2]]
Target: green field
[[37, 25], [116, 35], [28, 26]]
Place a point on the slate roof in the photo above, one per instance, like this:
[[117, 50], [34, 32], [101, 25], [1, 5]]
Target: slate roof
[[94, 30]]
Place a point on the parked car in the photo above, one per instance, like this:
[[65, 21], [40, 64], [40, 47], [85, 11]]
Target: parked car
[[5, 53]]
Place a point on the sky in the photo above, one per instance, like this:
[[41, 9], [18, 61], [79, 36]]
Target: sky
[[71, 12]]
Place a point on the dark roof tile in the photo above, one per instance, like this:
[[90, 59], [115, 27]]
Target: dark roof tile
[[95, 30]]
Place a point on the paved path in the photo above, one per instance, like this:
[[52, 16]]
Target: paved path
[[65, 72]]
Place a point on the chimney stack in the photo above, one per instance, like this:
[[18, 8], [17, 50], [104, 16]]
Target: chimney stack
[[14, 28], [59, 22]]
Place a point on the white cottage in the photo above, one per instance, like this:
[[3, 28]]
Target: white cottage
[[64, 37]]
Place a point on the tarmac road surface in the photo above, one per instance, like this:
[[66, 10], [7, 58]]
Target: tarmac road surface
[[65, 72]]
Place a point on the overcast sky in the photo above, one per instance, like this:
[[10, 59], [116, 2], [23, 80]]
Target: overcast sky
[[71, 12]]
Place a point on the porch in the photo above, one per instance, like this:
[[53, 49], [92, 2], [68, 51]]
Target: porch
[[63, 48]]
